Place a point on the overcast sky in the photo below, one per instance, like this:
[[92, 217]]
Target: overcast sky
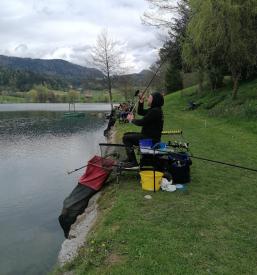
[[66, 29]]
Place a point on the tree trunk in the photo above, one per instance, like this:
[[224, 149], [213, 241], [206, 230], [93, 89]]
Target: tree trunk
[[200, 81], [110, 89], [235, 78]]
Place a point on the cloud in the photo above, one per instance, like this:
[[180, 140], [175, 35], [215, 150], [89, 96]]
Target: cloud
[[67, 29], [21, 49]]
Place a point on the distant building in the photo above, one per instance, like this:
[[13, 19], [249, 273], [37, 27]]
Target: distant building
[[88, 95]]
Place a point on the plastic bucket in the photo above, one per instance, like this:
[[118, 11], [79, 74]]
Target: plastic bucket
[[147, 180], [146, 143]]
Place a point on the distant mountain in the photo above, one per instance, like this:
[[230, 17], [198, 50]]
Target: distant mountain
[[52, 67], [136, 79], [23, 73]]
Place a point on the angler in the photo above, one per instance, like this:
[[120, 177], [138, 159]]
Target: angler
[[151, 123]]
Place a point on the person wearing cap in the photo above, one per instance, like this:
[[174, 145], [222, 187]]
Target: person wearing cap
[[151, 123]]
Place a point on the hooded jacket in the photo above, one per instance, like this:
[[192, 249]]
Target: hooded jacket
[[152, 121]]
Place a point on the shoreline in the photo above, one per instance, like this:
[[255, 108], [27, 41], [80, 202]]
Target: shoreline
[[83, 225], [79, 231]]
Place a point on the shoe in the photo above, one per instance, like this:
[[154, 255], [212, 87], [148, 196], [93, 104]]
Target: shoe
[[130, 165]]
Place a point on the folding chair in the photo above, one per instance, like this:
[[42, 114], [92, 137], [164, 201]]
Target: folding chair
[[119, 154]]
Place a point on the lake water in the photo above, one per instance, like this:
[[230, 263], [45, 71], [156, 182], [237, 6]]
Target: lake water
[[36, 151], [54, 107]]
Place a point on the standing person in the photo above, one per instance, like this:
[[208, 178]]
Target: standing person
[[151, 123]]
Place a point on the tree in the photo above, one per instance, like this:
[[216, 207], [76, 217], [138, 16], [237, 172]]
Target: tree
[[161, 13], [124, 84], [173, 79], [223, 31], [174, 16], [171, 51], [108, 57], [73, 96], [41, 93], [158, 83]]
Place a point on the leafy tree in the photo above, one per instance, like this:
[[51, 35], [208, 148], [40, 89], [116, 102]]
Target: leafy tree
[[32, 95], [159, 80], [173, 79], [174, 16], [41, 93], [51, 97], [73, 96], [223, 31], [171, 51]]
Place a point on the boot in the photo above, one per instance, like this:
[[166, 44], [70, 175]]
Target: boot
[[131, 162]]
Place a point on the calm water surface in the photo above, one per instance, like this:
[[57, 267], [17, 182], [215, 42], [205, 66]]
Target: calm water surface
[[36, 151], [54, 107]]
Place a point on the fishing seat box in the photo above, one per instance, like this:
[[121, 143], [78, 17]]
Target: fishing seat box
[[177, 164]]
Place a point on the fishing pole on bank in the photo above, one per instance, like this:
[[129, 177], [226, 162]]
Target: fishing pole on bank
[[220, 162], [225, 163], [115, 155], [191, 156], [209, 160]]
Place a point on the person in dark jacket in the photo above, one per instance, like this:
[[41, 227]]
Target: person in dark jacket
[[151, 123]]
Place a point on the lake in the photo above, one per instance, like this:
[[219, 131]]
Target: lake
[[37, 148]]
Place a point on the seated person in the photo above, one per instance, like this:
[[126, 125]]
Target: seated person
[[124, 111], [151, 123]]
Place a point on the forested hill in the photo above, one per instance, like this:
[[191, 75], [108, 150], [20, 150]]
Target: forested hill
[[21, 74], [55, 67]]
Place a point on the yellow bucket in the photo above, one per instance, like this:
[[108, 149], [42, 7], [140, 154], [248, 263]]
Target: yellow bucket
[[147, 180]]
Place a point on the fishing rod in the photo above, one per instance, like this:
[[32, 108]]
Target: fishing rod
[[136, 94], [117, 155], [149, 83], [220, 162], [185, 146], [224, 163], [77, 169]]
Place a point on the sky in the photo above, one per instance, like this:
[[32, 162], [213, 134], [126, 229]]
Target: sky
[[67, 29]]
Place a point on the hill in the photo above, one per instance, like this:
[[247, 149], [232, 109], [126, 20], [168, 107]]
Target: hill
[[20, 74], [54, 67]]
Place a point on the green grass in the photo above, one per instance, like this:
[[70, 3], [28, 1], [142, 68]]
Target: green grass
[[210, 229], [219, 103], [11, 99], [103, 96], [96, 96]]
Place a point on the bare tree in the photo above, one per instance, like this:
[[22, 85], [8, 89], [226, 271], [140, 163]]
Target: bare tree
[[167, 14], [108, 58], [160, 13]]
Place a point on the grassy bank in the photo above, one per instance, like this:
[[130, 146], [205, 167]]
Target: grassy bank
[[42, 94], [11, 99], [211, 228]]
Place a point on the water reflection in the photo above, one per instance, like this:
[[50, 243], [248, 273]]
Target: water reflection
[[37, 123], [36, 150]]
